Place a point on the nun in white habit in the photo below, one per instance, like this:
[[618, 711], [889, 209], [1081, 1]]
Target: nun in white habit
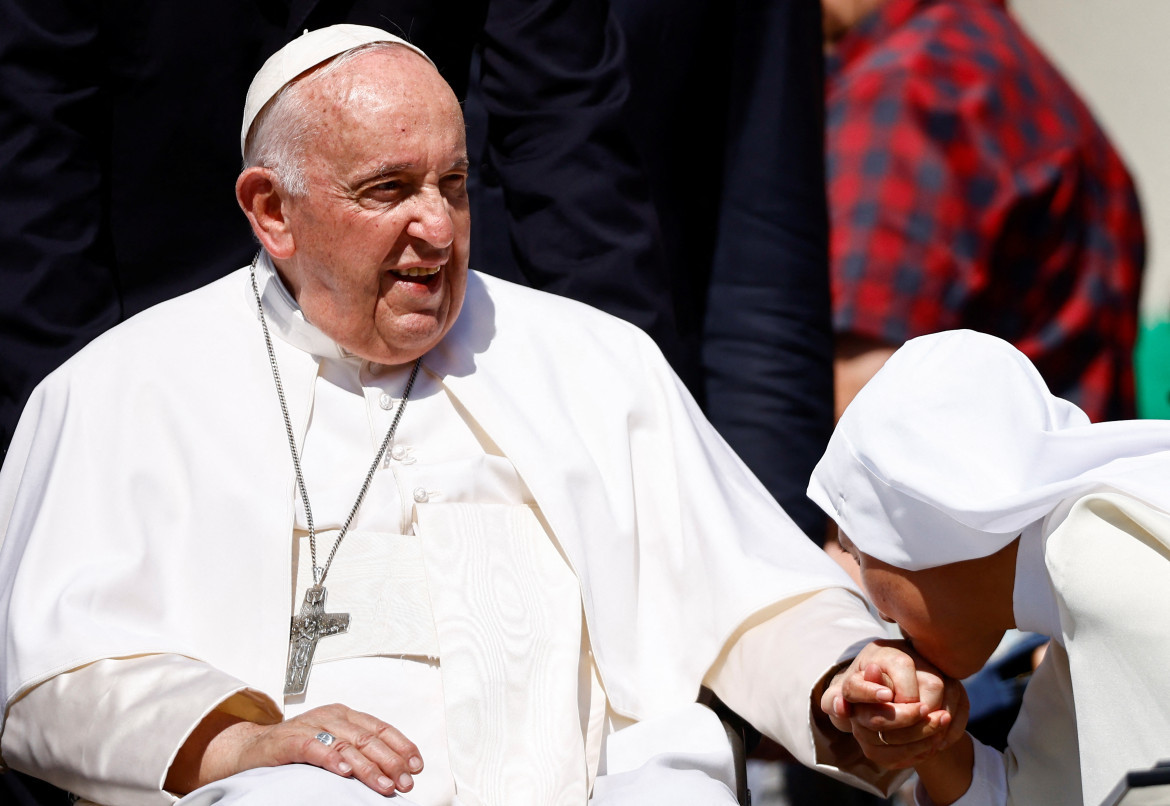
[[976, 501]]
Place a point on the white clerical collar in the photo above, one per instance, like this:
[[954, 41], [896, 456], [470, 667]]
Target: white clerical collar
[[285, 318], [1034, 601]]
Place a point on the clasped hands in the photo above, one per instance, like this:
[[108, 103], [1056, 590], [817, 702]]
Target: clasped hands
[[900, 709]]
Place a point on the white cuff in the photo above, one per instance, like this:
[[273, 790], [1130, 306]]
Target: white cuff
[[988, 781]]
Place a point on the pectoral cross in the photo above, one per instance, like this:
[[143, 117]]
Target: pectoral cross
[[308, 628]]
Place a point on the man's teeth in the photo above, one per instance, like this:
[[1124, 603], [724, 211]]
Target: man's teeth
[[418, 271]]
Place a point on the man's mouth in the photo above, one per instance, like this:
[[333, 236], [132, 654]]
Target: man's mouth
[[417, 272]]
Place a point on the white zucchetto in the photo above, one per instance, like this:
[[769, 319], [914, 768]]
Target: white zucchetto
[[956, 445], [304, 53]]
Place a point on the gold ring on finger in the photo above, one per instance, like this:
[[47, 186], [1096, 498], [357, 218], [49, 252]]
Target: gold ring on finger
[[881, 738]]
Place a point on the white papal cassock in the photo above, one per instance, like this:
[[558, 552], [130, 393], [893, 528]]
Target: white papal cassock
[[556, 553]]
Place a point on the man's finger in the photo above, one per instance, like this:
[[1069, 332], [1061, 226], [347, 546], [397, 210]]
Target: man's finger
[[892, 724], [932, 690], [873, 674], [899, 758], [307, 748], [899, 672], [373, 774], [392, 738], [858, 690], [375, 763], [892, 750], [889, 716], [352, 744], [959, 707]]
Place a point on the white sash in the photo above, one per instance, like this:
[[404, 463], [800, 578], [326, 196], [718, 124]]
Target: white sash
[[508, 617], [484, 589], [379, 579]]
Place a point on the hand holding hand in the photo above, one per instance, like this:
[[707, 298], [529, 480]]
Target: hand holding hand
[[898, 707]]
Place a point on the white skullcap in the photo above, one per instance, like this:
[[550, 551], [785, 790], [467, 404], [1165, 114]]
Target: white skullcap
[[304, 53], [956, 445]]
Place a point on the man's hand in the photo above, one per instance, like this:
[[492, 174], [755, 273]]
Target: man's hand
[[364, 747], [898, 707]]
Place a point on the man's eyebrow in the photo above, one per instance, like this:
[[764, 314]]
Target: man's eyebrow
[[383, 171]]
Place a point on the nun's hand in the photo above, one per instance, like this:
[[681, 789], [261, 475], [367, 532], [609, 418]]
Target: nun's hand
[[898, 707]]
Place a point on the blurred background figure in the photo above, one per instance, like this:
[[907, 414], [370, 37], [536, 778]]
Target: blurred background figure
[[726, 110], [1113, 54], [969, 186], [726, 114]]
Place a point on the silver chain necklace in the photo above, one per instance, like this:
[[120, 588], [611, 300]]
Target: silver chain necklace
[[314, 623]]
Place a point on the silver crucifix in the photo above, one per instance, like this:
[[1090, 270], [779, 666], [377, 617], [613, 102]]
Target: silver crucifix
[[308, 628]]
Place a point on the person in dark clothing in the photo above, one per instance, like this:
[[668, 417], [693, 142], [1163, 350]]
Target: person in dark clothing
[[727, 111]]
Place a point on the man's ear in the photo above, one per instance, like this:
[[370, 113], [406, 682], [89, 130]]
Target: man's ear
[[263, 202]]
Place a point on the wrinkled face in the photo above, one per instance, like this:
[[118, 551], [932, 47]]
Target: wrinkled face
[[381, 237], [939, 610]]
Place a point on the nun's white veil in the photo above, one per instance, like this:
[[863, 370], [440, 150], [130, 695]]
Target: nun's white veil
[[956, 445]]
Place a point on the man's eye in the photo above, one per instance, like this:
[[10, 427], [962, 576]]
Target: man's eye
[[391, 186]]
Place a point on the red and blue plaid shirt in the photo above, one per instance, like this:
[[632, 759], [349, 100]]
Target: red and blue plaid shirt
[[970, 187]]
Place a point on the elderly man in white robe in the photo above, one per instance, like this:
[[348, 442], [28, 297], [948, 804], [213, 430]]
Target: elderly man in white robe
[[516, 601]]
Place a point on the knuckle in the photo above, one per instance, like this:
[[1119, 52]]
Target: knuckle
[[386, 731], [310, 747], [364, 739], [400, 744], [340, 712], [363, 767]]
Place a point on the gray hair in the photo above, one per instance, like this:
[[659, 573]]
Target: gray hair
[[283, 127]]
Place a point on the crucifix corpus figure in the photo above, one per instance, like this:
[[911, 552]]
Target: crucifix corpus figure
[[308, 628]]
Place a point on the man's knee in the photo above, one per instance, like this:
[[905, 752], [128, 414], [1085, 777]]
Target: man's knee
[[655, 785], [289, 785]]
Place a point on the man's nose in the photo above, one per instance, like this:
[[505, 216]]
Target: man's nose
[[431, 220]]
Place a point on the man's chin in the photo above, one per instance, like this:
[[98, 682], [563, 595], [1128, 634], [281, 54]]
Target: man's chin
[[406, 341]]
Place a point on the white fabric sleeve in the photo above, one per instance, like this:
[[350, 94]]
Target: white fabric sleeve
[[988, 781], [774, 668], [1109, 562], [109, 731]]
